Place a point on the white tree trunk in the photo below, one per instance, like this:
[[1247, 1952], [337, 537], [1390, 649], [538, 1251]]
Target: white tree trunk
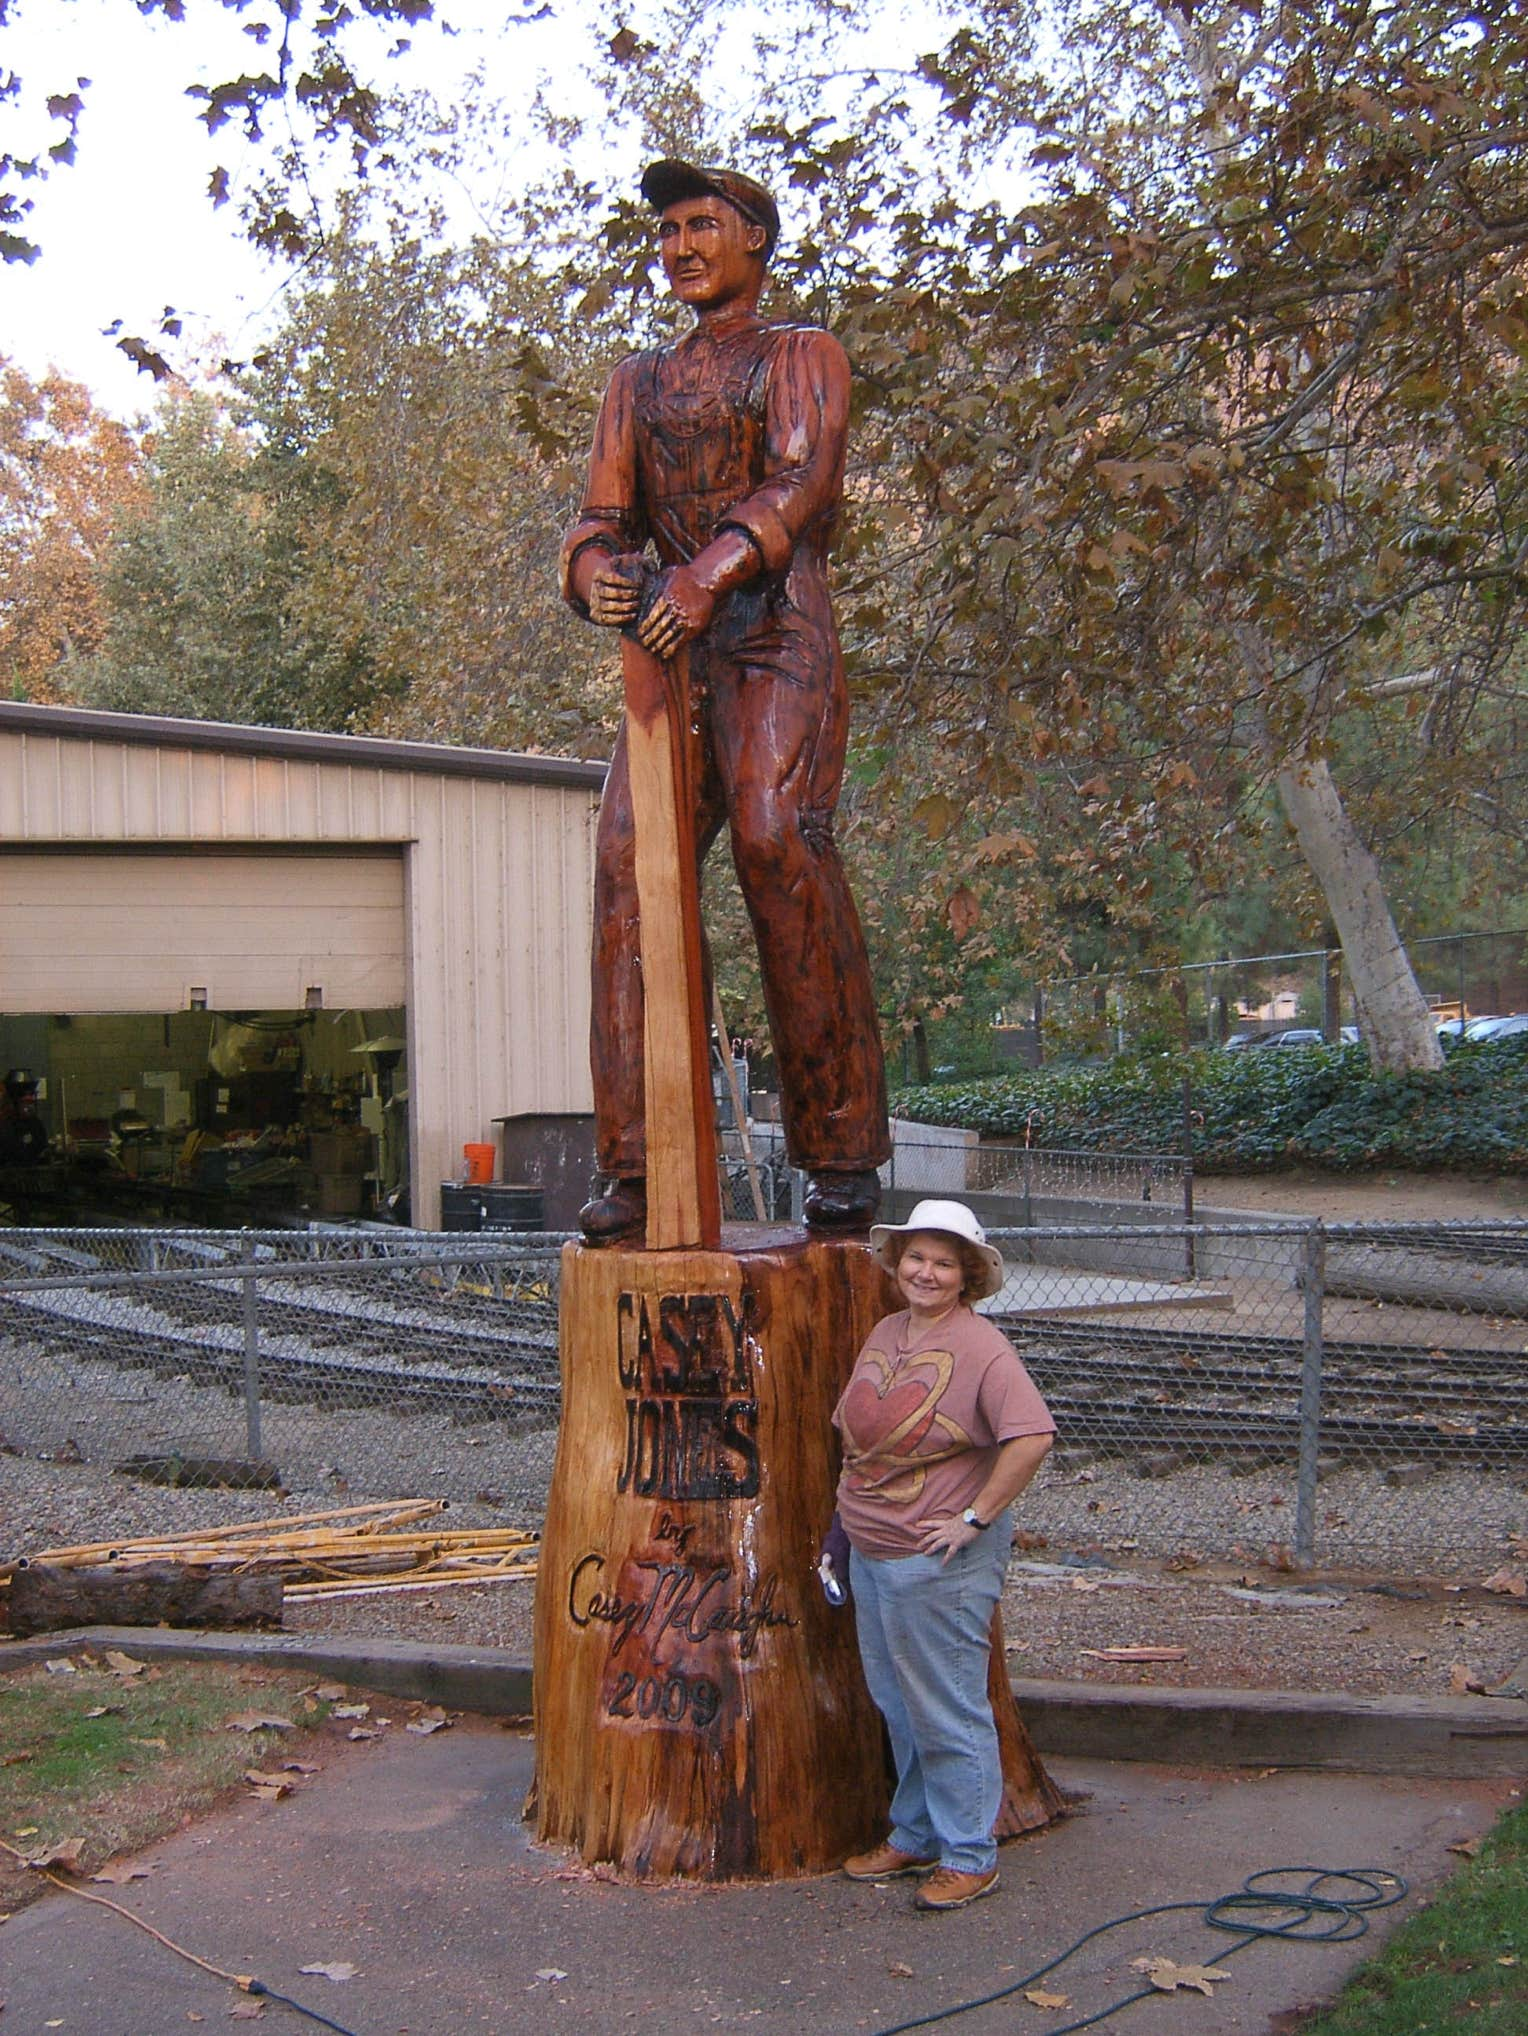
[[1393, 1017]]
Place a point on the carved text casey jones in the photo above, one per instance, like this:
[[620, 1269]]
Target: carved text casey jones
[[686, 1374]]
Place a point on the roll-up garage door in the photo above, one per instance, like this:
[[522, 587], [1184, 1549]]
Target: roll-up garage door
[[114, 932]]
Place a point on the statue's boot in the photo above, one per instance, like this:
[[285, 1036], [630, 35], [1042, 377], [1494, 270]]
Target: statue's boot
[[842, 1201], [618, 1212]]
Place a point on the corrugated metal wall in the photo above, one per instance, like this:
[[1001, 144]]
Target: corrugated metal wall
[[497, 883]]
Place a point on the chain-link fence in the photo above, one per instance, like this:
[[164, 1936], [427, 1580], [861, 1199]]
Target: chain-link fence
[[1010, 1183], [1353, 1395]]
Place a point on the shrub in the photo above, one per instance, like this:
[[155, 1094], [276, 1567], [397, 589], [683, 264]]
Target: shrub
[[1281, 1106]]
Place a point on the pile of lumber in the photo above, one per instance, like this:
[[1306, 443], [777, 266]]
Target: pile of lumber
[[239, 1574]]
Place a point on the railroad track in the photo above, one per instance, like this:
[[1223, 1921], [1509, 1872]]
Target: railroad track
[[368, 1342], [333, 1343]]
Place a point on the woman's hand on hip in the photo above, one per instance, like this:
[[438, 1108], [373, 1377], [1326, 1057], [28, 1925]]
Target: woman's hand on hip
[[947, 1537]]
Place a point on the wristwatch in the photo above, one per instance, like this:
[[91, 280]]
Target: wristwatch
[[973, 1519]]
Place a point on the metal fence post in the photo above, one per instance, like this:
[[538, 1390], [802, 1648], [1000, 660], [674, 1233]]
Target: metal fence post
[[251, 1360], [1313, 1279]]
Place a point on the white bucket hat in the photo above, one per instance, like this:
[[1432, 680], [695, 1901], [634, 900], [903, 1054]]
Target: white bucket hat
[[954, 1219]]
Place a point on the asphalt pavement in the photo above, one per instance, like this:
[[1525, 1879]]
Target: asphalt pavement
[[404, 1865]]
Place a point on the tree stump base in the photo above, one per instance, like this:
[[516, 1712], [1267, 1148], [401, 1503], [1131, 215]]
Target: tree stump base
[[699, 1706]]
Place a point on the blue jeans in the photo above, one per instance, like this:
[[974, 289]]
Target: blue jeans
[[925, 1641]]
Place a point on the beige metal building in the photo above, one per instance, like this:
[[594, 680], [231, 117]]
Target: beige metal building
[[156, 866]]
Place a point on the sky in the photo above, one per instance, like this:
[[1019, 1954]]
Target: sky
[[128, 230]]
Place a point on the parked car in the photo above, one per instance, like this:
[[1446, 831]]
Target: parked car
[[1297, 1035], [1497, 1028]]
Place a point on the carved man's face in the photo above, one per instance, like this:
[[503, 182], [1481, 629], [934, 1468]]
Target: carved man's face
[[711, 254]]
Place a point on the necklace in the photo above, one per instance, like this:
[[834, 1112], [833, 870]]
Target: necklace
[[914, 1332]]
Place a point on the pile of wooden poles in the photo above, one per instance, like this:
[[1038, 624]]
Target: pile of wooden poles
[[352, 1551]]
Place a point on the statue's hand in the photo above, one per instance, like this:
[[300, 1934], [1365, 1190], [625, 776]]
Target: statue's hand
[[681, 611], [615, 591]]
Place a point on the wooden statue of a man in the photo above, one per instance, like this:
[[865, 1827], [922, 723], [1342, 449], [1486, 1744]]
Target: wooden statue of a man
[[725, 453]]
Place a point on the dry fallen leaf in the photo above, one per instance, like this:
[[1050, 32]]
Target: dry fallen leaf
[[1168, 1975], [25, 1830], [246, 2011], [336, 1972], [900, 1971], [19, 1758], [118, 1876], [351, 1711], [154, 1745], [65, 1855], [1512, 1960], [104, 1711], [123, 1664], [1042, 1999], [269, 1788], [432, 1720], [551, 1972], [363, 1732], [1510, 1583], [1465, 1681], [330, 1692], [301, 1767], [258, 1721], [1466, 1848], [59, 1668]]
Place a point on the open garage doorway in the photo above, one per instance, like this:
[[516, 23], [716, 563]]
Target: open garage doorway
[[223, 1118]]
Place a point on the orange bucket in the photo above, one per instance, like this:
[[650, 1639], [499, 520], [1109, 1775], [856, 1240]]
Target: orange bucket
[[479, 1160]]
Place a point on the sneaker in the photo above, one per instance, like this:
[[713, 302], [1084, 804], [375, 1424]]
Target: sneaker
[[885, 1863], [947, 1889]]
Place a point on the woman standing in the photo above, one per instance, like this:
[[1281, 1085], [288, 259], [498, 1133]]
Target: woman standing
[[942, 1428]]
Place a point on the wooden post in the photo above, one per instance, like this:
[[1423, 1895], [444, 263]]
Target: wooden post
[[700, 1708], [683, 1190]]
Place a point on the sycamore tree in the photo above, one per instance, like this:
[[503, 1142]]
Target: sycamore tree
[[200, 587], [1188, 349], [1191, 352], [68, 474], [405, 388]]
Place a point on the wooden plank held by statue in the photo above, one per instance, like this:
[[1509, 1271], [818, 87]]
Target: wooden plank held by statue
[[683, 1189]]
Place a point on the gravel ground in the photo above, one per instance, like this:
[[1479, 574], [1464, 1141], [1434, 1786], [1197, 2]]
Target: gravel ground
[[1196, 1559], [1080, 1580]]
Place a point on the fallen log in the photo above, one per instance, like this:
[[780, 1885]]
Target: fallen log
[[44, 1598]]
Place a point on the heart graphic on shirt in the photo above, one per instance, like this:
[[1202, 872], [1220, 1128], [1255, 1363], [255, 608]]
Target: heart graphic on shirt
[[911, 1403], [907, 1410]]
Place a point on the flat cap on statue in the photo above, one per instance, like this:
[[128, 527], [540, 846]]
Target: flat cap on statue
[[666, 182]]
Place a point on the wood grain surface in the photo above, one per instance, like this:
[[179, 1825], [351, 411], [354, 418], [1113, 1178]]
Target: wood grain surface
[[683, 1188], [700, 1709]]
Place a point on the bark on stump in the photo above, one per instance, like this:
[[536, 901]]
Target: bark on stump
[[49, 1597], [700, 1709]]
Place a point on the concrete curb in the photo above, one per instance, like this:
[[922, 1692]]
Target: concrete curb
[[1468, 1738]]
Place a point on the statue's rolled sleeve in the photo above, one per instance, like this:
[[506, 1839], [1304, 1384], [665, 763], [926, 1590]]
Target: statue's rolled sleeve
[[806, 425], [610, 518]]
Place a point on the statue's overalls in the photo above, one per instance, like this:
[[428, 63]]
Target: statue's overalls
[[745, 429]]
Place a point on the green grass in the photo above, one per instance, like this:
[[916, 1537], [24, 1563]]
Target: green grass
[[64, 1774], [1459, 1965]]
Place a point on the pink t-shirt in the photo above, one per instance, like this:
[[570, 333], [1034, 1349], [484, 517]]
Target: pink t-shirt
[[921, 1419]]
